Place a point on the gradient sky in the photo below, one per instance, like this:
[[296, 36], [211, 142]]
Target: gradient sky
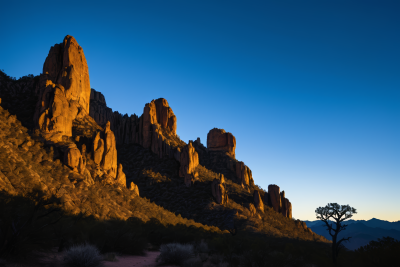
[[310, 89]]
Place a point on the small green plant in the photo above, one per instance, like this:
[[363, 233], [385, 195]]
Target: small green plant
[[175, 253], [84, 255]]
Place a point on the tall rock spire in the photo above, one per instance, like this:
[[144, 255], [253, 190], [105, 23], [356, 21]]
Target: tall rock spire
[[64, 89]]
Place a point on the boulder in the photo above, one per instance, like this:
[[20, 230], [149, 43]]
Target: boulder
[[258, 203], [74, 159], [275, 197], [64, 90], [219, 140]]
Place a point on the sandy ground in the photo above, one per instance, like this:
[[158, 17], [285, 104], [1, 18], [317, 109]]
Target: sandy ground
[[137, 261], [149, 260]]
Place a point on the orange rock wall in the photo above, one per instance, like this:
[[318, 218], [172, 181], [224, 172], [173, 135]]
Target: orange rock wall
[[64, 91], [219, 140]]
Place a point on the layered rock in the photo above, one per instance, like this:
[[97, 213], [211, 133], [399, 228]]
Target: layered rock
[[219, 140], [218, 190], [258, 203], [64, 91], [189, 160]]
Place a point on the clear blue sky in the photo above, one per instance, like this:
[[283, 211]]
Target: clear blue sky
[[310, 89]]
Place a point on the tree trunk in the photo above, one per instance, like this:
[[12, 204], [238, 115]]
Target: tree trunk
[[334, 249]]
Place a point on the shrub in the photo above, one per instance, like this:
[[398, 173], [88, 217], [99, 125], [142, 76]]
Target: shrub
[[202, 247], [175, 253], [82, 256]]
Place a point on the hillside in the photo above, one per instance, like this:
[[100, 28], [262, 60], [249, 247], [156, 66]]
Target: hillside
[[64, 149]]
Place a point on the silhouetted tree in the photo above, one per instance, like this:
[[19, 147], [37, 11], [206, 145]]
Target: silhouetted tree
[[333, 215]]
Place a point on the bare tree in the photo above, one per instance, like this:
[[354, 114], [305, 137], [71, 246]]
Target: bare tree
[[333, 215]]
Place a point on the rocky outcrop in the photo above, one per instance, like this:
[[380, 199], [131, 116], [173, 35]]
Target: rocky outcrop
[[189, 160], [258, 203], [218, 190], [277, 201], [286, 209], [105, 151], [155, 129], [74, 159], [274, 197], [219, 140], [157, 112], [64, 90], [121, 177], [133, 187], [243, 174]]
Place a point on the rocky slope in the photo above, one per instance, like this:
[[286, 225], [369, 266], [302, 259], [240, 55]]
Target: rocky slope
[[98, 161]]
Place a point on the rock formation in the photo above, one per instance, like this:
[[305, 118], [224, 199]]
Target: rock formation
[[251, 208], [105, 151], [154, 129], [219, 140], [243, 174], [277, 200], [218, 190], [64, 91], [286, 209], [133, 187], [258, 203], [62, 116], [274, 197], [189, 160], [121, 177]]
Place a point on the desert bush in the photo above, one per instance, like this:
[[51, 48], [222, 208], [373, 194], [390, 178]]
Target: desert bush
[[202, 247], [84, 255], [175, 253]]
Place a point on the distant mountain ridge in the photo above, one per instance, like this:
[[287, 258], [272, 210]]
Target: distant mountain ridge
[[361, 231], [370, 223]]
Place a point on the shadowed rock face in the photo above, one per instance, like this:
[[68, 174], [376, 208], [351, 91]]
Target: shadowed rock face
[[218, 190], [219, 140], [64, 90], [274, 197]]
